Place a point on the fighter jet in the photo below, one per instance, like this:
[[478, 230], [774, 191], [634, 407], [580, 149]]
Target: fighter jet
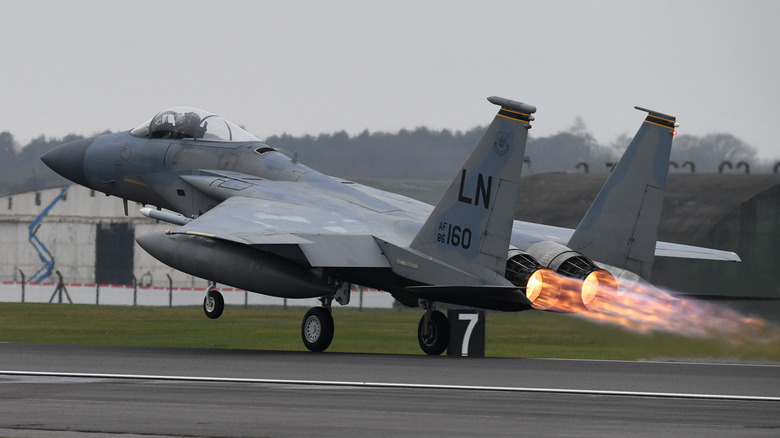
[[251, 217]]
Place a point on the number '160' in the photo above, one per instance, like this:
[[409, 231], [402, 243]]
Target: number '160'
[[455, 236]]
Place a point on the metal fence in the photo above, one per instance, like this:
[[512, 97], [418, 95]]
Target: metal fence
[[161, 296]]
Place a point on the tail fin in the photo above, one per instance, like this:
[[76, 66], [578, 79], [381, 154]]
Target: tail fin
[[470, 227], [621, 226]]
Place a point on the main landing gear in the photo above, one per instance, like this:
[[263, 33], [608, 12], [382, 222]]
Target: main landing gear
[[317, 327], [213, 303], [433, 331]]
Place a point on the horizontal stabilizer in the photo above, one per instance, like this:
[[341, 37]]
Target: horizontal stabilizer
[[665, 249], [526, 234]]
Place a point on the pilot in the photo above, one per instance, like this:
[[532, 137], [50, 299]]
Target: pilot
[[187, 124], [162, 127]]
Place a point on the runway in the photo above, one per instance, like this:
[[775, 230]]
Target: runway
[[209, 392]]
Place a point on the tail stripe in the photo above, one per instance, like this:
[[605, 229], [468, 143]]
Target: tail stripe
[[515, 115], [658, 121]]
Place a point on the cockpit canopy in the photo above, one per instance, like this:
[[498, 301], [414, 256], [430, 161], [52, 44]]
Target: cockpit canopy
[[191, 123]]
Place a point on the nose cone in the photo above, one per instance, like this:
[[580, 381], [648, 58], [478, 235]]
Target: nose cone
[[68, 160]]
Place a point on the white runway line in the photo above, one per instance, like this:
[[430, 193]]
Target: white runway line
[[393, 385]]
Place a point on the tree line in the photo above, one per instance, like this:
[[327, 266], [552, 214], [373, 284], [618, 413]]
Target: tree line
[[419, 154]]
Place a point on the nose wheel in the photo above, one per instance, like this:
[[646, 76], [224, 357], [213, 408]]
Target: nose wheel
[[213, 303]]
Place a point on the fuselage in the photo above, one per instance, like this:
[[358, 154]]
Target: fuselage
[[191, 169], [150, 171]]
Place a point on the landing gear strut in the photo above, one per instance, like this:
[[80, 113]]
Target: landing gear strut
[[317, 327], [213, 303], [433, 331]]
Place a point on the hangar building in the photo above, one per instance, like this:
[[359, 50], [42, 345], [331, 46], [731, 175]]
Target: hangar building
[[87, 236]]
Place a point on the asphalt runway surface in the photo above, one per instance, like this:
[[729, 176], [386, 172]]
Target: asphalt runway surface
[[67, 390]]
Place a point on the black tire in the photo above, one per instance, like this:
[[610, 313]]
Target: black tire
[[317, 329], [436, 343], [213, 304]]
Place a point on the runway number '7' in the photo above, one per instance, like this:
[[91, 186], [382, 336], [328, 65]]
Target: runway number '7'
[[472, 318]]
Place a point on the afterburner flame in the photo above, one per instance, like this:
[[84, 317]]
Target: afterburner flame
[[548, 290], [598, 286], [644, 308], [543, 289]]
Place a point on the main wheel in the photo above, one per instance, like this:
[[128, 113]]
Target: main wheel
[[317, 329], [436, 336], [213, 304]]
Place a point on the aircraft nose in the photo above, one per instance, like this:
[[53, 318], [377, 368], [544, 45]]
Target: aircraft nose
[[68, 160]]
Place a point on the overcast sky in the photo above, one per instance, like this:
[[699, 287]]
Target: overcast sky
[[306, 67]]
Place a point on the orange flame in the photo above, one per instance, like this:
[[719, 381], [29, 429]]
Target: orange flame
[[543, 289], [644, 308]]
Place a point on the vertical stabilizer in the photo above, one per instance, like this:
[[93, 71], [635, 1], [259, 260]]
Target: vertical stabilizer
[[621, 226], [471, 226]]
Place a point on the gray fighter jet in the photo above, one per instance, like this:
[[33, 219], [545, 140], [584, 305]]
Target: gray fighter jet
[[254, 218]]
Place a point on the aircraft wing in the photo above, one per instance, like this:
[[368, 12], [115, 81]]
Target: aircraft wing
[[325, 237], [332, 238]]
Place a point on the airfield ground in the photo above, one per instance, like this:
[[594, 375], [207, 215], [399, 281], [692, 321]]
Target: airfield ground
[[525, 334]]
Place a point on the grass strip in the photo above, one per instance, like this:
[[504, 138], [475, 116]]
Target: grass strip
[[525, 334]]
